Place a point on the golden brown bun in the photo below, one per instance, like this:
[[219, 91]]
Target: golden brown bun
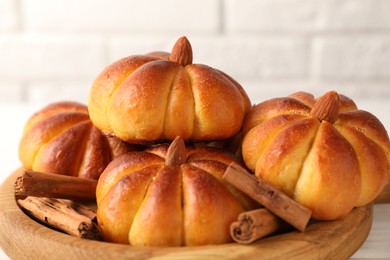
[[61, 139], [346, 104], [327, 166], [148, 98], [159, 54], [231, 145], [145, 201]]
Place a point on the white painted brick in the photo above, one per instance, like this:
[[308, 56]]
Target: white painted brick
[[252, 61], [240, 57], [357, 14], [10, 92], [48, 92], [260, 90], [55, 57], [52, 50], [354, 57], [254, 57], [122, 15], [360, 90], [271, 15], [8, 15], [123, 46]]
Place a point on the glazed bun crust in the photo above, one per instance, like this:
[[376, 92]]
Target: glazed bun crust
[[156, 97], [61, 139], [329, 167], [105, 85], [334, 188], [143, 201]]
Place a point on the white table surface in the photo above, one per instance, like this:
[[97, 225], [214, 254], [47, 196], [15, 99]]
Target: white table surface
[[13, 118]]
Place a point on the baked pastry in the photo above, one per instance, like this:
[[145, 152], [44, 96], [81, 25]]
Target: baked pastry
[[60, 138], [326, 154], [156, 97], [168, 196], [231, 145]]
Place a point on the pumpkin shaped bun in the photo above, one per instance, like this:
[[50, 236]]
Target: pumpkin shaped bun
[[324, 153], [60, 138], [169, 196], [156, 97]]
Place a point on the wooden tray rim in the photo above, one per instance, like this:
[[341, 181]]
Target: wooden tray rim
[[324, 240]]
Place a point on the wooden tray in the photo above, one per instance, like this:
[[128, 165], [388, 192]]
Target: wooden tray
[[23, 238]]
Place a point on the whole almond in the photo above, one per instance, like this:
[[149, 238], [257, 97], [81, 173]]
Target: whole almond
[[327, 107], [181, 52], [177, 152]]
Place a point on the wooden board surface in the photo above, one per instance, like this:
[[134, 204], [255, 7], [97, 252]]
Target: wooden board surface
[[23, 238]]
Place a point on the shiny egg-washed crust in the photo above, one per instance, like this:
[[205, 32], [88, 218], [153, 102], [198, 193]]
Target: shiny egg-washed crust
[[148, 98], [330, 168], [144, 202], [60, 138]]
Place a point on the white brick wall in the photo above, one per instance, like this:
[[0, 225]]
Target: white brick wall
[[8, 15], [259, 16], [357, 15], [354, 57], [53, 49], [121, 15]]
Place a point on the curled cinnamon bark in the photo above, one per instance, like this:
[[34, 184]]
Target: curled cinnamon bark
[[50, 185], [253, 225], [67, 216], [271, 198]]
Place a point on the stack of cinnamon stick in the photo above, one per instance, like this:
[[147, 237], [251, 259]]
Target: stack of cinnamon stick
[[50, 199], [279, 208]]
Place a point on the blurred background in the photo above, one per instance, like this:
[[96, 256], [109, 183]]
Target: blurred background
[[52, 50]]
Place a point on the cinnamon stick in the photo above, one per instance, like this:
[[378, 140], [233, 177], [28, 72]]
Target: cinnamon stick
[[253, 225], [271, 198], [61, 215], [50, 185]]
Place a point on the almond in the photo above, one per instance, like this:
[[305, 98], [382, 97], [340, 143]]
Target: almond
[[181, 52], [177, 153], [327, 107]]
